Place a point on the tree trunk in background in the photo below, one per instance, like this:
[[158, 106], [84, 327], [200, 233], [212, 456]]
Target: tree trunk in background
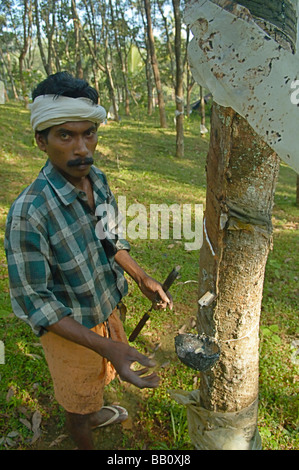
[[241, 175], [7, 63], [203, 129], [149, 85], [47, 66], [110, 82], [179, 86], [123, 65], [49, 18], [79, 69], [148, 68], [189, 86], [161, 7], [163, 122], [27, 32]]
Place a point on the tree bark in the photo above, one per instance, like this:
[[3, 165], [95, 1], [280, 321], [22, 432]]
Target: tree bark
[[92, 44], [202, 112], [122, 61], [27, 31], [147, 65], [190, 85], [179, 87], [149, 85], [110, 78], [161, 7], [163, 122], [79, 69], [7, 63], [47, 66], [241, 175]]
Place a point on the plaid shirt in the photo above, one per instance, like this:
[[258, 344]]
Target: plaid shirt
[[57, 264]]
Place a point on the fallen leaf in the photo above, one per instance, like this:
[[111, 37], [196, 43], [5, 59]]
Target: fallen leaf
[[10, 442], [36, 436], [10, 393], [26, 423], [36, 421], [13, 434], [58, 440]]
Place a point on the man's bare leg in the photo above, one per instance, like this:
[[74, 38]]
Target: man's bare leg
[[80, 426]]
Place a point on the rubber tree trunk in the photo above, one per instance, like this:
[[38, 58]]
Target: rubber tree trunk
[[27, 34], [179, 87], [155, 66], [241, 175]]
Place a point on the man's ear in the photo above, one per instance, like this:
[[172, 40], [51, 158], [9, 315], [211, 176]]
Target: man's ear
[[41, 141]]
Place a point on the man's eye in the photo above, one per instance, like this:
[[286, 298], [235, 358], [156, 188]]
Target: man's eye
[[64, 136], [90, 133]]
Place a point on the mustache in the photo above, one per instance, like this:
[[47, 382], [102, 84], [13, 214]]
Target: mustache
[[79, 161]]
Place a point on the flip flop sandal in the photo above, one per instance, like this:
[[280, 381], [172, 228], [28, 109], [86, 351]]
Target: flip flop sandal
[[118, 411]]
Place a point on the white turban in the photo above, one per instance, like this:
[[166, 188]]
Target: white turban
[[52, 110]]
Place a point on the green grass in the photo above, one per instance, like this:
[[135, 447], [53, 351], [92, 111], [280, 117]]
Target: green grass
[[138, 158]]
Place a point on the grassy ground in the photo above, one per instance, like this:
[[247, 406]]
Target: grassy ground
[[139, 161]]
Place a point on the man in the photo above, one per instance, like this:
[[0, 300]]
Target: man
[[66, 278]]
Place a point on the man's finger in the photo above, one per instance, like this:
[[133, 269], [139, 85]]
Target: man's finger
[[150, 381], [164, 302], [142, 371], [164, 297], [170, 305], [133, 377], [142, 359]]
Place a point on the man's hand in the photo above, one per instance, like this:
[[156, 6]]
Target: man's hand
[[154, 292], [122, 356], [148, 286]]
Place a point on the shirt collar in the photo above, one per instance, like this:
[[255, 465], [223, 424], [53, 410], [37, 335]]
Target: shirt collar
[[65, 190]]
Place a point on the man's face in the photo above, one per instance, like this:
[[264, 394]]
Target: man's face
[[70, 147]]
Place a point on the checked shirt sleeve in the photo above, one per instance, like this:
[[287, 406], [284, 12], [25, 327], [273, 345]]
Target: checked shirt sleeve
[[30, 276], [120, 242], [110, 228]]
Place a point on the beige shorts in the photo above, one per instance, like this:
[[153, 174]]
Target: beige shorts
[[79, 374]]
